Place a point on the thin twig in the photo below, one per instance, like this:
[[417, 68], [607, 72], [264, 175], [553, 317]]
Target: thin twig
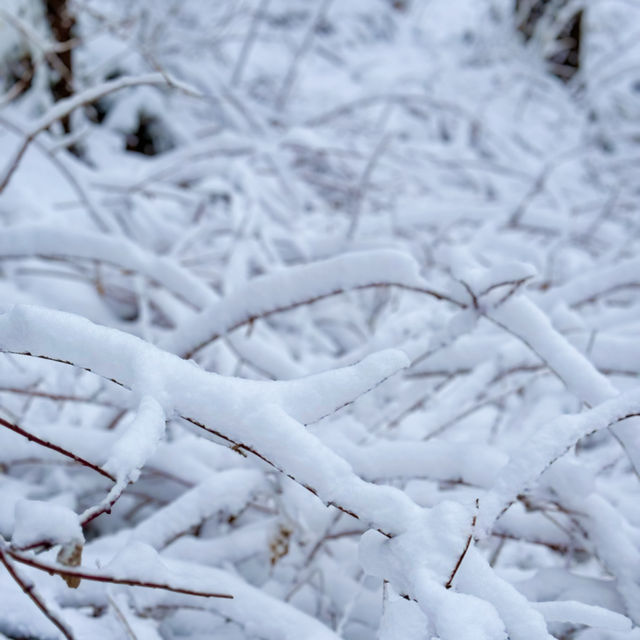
[[252, 318], [29, 588], [65, 107], [248, 42], [54, 447], [122, 618], [95, 212], [365, 178], [59, 397], [86, 574], [449, 582], [290, 76]]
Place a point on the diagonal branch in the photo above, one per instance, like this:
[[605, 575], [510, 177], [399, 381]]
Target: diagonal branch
[[29, 588], [54, 447], [449, 582]]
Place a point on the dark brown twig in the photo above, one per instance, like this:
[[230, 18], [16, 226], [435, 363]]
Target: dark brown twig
[[301, 303], [449, 582], [29, 588], [83, 574], [54, 447], [58, 397]]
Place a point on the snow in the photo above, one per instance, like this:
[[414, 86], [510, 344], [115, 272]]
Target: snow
[[291, 287], [228, 490], [330, 308], [29, 240], [139, 561], [139, 442], [37, 521], [458, 615], [173, 382], [474, 464], [402, 616], [520, 617], [21, 617], [547, 445], [580, 613]]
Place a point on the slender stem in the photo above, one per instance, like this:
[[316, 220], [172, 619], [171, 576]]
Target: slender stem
[[29, 588], [265, 314], [83, 574], [290, 77], [54, 447], [248, 42]]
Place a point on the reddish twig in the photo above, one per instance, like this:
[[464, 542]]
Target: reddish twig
[[239, 446], [54, 447], [105, 505], [449, 582], [84, 574], [56, 397], [558, 547], [29, 588], [265, 314]]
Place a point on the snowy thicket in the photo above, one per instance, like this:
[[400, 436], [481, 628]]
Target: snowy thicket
[[320, 320]]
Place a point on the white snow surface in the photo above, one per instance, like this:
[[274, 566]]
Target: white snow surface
[[331, 307], [38, 521]]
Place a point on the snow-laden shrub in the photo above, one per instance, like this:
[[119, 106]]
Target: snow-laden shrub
[[354, 356]]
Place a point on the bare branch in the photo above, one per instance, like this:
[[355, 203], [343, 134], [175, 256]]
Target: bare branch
[[29, 588], [54, 447], [95, 576], [65, 107]]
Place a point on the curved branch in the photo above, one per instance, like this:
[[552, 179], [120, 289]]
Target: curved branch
[[298, 286], [65, 107], [51, 242]]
